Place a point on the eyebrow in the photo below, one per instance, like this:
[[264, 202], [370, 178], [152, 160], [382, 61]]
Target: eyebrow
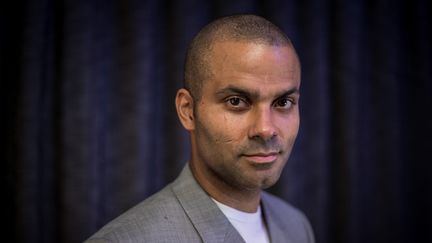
[[253, 94]]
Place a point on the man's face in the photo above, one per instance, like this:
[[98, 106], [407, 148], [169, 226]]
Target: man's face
[[247, 119]]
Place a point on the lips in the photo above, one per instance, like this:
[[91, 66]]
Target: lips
[[261, 158]]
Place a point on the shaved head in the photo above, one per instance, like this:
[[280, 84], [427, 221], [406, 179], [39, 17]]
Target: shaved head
[[238, 28]]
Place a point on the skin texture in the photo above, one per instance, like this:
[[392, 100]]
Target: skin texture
[[245, 123]]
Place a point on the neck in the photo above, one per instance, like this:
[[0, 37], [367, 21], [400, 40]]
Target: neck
[[246, 200]]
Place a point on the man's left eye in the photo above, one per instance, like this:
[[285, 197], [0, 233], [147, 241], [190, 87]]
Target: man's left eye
[[235, 101], [284, 103]]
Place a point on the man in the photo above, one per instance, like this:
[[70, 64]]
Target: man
[[240, 106]]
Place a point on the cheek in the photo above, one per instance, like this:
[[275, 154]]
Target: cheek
[[289, 127], [223, 128]]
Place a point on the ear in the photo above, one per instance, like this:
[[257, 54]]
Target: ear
[[184, 106]]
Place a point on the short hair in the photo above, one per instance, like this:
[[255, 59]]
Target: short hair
[[247, 28]]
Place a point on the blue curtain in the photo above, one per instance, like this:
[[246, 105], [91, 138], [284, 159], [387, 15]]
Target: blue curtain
[[89, 127]]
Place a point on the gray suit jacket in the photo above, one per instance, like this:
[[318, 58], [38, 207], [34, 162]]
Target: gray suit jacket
[[184, 212]]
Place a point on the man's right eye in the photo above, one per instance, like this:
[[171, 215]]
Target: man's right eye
[[237, 103]]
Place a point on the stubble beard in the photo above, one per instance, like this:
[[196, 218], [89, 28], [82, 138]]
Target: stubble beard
[[233, 170], [243, 176]]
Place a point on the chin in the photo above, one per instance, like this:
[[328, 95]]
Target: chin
[[269, 179], [267, 183], [261, 182]]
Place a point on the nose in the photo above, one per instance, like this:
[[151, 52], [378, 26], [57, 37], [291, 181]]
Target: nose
[[262, 125]]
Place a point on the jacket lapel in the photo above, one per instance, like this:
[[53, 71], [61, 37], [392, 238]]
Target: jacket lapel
[[277, 234], [208, 220]]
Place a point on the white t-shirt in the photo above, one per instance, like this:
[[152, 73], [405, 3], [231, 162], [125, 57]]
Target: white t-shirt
[[250, 225]]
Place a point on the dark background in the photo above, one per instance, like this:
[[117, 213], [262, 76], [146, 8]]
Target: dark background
[[89, 129]]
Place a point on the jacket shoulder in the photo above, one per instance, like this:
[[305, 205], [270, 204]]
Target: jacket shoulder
[[159, 217]]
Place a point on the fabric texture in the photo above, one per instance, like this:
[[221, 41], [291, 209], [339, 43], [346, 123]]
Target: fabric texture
[[184, 212]]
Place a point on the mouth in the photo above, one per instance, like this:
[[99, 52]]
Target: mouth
[[262, 158]]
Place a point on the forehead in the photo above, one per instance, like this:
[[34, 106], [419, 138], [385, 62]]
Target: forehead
[[254, 65]]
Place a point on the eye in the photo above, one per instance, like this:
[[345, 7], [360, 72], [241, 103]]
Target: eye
[[284, 103], [237, 103]]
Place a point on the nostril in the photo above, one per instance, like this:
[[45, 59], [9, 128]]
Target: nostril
[[263, 128], [264, 135]]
